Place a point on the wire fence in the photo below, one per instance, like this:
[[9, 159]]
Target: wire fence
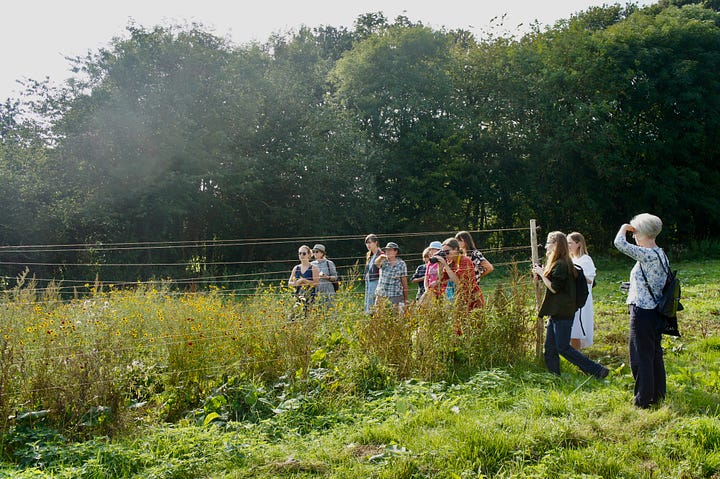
[[236, 267]]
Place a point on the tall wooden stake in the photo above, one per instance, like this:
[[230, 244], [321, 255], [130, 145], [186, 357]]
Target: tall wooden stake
[[539, 325]]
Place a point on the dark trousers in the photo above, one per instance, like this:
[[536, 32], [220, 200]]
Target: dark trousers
[[557, 343], [646, 355]]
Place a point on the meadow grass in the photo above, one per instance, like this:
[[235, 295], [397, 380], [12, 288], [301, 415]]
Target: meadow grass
[[146, 383]]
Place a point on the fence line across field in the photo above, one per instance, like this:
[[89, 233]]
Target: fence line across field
[[279, 276], [223, 243], [187, 264], [226, 292], [71, 289]]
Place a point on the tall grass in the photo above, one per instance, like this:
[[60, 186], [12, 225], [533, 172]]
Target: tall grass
[[118, 358], [220, 387]]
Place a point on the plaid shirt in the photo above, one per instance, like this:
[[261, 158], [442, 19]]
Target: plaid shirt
[[390, 285]]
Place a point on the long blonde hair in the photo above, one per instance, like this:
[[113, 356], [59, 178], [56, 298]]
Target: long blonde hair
[[561, 253], [579, 239]]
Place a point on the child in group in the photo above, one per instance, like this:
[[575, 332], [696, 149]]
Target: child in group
[[431, 271], [419, 276]]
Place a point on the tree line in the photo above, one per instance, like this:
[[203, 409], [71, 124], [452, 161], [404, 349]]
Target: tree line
[[172, 133]]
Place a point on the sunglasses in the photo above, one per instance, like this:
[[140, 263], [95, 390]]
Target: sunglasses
[[302, 253]]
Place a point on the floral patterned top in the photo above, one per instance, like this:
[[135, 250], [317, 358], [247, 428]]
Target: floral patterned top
[[639, 295], [478, 259]]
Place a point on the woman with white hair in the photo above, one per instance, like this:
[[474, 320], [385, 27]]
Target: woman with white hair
[[647, 280]]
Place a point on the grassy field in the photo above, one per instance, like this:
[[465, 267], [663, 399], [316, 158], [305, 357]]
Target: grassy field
[[145, 383]]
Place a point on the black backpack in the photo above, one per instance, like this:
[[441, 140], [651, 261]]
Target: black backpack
[[581, 288], [668, 303]]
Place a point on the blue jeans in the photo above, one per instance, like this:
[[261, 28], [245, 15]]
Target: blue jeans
[[646, 355], [370, 287], [557, 343]]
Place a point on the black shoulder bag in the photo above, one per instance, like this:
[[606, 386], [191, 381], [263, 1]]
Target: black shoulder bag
[[668, 304]]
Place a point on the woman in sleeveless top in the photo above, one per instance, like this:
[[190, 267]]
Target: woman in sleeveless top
[[304, 277]]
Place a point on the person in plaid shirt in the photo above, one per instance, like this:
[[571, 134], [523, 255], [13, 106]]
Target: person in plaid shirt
[[393, 283]]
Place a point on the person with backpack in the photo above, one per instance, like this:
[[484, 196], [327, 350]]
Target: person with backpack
[[559, 305], [646, 324], [583, 328], [327, 274]]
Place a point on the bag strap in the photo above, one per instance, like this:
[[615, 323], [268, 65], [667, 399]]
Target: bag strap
[[666, 270]]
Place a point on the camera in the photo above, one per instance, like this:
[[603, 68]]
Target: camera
[[434, 259]]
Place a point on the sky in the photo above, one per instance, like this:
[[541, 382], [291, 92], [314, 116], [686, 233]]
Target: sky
[[36, 37]]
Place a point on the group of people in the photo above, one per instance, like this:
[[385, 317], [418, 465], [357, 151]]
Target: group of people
[[568, 330], [450, 270]]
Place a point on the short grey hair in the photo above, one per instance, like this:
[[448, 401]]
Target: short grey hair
[[647, 225]]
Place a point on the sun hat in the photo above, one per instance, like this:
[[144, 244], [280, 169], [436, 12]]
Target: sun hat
[[435, 245], [392, 245], [319, 247]]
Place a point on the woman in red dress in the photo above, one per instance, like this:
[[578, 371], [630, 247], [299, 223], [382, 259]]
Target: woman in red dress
[[457, 277]]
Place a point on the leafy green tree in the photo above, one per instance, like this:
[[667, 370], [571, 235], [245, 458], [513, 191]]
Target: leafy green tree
[[304, 158], [144, 135], [657, 118], [397, 85]]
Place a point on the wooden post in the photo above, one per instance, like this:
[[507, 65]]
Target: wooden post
[[539, 325]]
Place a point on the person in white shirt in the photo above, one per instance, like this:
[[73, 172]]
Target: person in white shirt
[[581, 335]]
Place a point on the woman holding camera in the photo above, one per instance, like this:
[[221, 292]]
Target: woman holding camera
[[457, 275], [558, 276], [304, 278], [646, 324]]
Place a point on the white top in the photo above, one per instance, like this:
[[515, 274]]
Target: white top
[[586, 263], [583, 327]]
